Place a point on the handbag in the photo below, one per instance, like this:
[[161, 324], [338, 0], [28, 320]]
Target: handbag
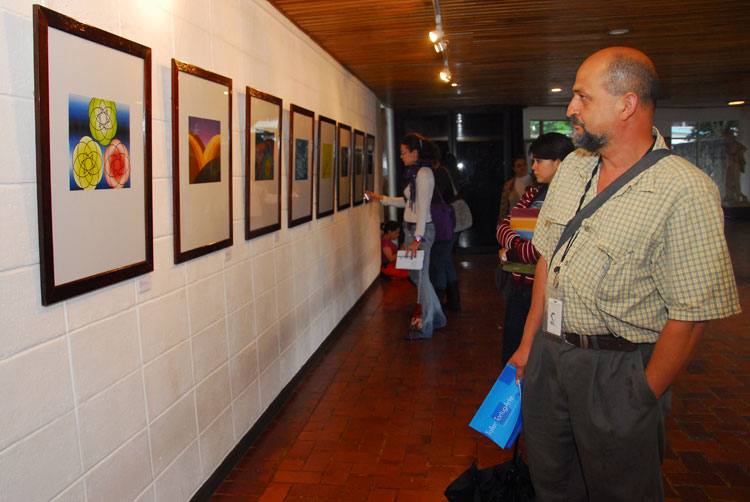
[[461, 210], [444, 219], [463, 215]]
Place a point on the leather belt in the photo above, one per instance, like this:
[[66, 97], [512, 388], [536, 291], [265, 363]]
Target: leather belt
[[596, 342]]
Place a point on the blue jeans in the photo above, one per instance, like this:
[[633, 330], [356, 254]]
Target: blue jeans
[[442, 270], [432, 312]]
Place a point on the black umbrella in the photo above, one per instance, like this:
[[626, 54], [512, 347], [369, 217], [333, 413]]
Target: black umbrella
[[506, 482]]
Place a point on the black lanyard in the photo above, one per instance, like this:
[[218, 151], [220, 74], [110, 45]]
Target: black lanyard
[[650, 158], [580, 205]]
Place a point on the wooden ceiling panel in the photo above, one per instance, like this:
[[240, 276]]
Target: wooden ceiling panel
[[514, 51]]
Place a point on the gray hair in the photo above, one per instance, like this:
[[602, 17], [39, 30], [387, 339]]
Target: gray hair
[[627, 73]]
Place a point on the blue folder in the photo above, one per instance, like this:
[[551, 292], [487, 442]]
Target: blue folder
[[499, 416]]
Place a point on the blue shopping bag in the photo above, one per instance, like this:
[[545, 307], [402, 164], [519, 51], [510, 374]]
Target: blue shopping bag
[[499, 416]]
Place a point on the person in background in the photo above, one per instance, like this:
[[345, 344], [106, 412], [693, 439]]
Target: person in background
[[548, 151], [442, 272], [418, 153], [619, 305], [515, 187], [388, 249]]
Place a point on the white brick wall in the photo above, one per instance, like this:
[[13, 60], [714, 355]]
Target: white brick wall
[[137, 392]]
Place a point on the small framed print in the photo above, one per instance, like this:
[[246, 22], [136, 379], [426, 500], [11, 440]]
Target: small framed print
[[358, 170], [344, 177], [201, 161], [301, 151], [262, 163], [370, 162], [93, 143], [326, 166]]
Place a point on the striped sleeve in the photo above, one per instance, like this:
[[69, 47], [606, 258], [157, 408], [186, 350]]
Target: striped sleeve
[[506, 235]]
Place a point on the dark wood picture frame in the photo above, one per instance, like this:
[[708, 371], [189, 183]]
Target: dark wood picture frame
[[370, 162], [358, 167], [117, 248], [301, 165], [344, 166], [181, 173], [251, 150], [326, 129]]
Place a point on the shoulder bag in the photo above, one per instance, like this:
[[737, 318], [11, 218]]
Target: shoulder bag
[[461, 210], [444, 219]]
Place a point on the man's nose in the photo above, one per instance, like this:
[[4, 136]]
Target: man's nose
[[572, 107]]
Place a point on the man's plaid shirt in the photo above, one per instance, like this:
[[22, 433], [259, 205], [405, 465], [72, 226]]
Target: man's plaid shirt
[[654, 251]]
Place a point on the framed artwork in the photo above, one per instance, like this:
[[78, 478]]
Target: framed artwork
[[301, 146], [343, 179], [262, 163], [201, 161], [370, 162], [93, 146], [358, 167], [326, 166]]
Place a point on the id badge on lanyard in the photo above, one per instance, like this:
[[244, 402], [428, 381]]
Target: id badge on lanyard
[[553, 311], [553, 308]]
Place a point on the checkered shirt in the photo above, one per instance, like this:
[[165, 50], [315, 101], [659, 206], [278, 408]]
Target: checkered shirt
[[654, 251]]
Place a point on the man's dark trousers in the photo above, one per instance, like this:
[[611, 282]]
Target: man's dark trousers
[[594, 429]]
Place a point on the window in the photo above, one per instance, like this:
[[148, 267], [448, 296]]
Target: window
[[692, 132], [713, 147], [534, 127], [539, 127]]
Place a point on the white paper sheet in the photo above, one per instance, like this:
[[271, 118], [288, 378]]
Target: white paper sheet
[[409, 263]]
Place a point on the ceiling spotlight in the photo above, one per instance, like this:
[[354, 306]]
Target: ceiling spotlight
[[555, 89], [736, 103], [454, 84], [445, 75], [438, 40]]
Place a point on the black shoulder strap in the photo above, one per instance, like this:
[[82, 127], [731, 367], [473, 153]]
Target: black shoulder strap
[[450, 178], [646, 161]]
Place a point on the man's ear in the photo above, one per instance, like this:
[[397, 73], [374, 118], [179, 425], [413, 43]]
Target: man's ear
[[628, 105]]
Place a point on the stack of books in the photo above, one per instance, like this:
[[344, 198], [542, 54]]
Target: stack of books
[[523, 222]]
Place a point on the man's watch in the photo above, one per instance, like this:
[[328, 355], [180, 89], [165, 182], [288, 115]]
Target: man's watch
[[418, 238]]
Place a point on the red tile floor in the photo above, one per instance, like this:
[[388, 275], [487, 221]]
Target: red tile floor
[[381, 419]]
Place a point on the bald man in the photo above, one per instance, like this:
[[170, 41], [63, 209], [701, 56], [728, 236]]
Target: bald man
[[619, 306]]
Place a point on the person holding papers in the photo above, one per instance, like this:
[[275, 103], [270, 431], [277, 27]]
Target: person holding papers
[[515, 231], [418, 153]]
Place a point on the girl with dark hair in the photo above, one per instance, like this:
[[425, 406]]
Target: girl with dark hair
[[548, 151], [388, 249], [418, 153]]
